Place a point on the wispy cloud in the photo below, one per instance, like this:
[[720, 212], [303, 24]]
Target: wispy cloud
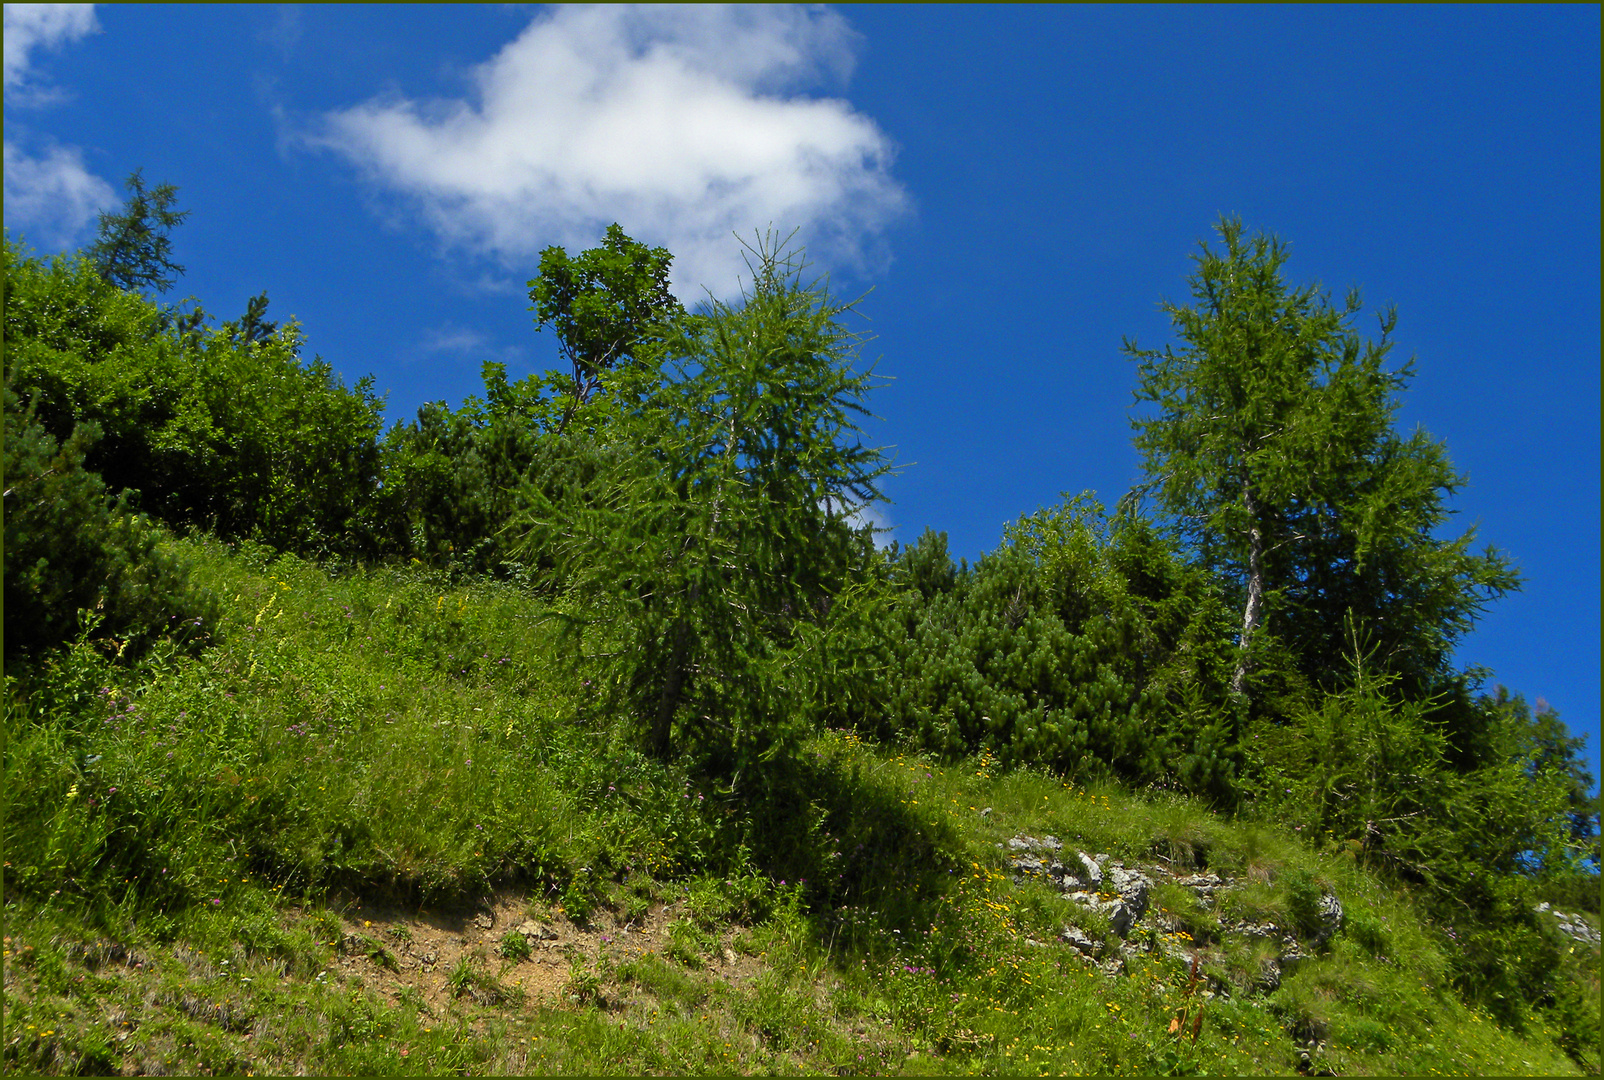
[[35, 26], [684, 124], [50, 197], [453, 342], [282, 29], [452, 339]]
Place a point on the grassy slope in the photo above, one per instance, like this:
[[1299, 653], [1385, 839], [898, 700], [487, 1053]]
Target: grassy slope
[[243, 862]]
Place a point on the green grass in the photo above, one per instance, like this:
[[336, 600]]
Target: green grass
[[188, 844]]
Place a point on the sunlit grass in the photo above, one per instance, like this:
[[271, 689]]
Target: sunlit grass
[[390, 730]]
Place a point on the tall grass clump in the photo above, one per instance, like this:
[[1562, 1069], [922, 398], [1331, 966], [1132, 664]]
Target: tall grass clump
[[378, 729]]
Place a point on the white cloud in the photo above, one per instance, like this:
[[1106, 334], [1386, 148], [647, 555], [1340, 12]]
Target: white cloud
[[52, 199], [32, 26], [683, 124], [873, 514], [452, 339]]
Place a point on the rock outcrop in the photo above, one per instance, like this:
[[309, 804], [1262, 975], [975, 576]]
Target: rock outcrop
[[1122, 893], [1571, 925]]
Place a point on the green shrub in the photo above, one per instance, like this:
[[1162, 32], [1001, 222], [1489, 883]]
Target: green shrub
[[1082, 644], [1303, 901], [452, 480], [1366, 931], [514, 946], [1575, 1014], [211, 429], [78, 562], [265, 445], [687, 943]]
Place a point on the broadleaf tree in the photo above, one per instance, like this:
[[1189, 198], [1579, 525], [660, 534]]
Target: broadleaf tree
[[600, 303], [1273, 452]]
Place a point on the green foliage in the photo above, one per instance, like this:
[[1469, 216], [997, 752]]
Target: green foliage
[[679, 498], [252, 328], [79, 563], [1369, 773], [80, 349], [133, 250], [1554, 752], [228, 430], [926, 566], [453, 480], [1575, 1014], [605, 305], [514, 946], [921, 946], [323, 700], [264, 445], [1370, 770], [716, 522], [1273, 453], [847, 664], [1082, 644], [1303, 900]]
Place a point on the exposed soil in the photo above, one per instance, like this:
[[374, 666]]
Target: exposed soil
[[427, 945]]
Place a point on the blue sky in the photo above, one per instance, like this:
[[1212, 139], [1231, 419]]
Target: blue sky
[[1019, 186]]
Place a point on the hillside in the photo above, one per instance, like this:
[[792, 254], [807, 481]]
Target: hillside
[[376, 821], [586, 727]]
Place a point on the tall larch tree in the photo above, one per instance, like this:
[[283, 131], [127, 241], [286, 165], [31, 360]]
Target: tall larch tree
[[1272, 450]]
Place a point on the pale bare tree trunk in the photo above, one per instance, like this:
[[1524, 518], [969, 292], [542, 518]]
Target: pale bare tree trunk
[[1253, 612]]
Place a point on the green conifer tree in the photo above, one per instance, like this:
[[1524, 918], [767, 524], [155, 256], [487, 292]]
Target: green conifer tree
[[1273, 452], [133, 250]]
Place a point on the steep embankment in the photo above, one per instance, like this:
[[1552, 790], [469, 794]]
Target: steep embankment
[[381, 825]]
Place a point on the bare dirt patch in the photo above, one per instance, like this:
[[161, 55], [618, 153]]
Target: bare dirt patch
[[423, 954]]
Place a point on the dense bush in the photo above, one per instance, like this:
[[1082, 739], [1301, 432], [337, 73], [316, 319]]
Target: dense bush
[[265, 446], [214, 429], [450, 481], [80, 349], [1081, 644], [454, 479], [1369, 773], [77, 561]]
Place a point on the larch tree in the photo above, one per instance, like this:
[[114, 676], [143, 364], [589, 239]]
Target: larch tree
[[713, 527], [133, 250], [1273, 451]]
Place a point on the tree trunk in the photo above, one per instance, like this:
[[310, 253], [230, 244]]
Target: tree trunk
[[660, 741], [660, 738], [1253, 612]]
